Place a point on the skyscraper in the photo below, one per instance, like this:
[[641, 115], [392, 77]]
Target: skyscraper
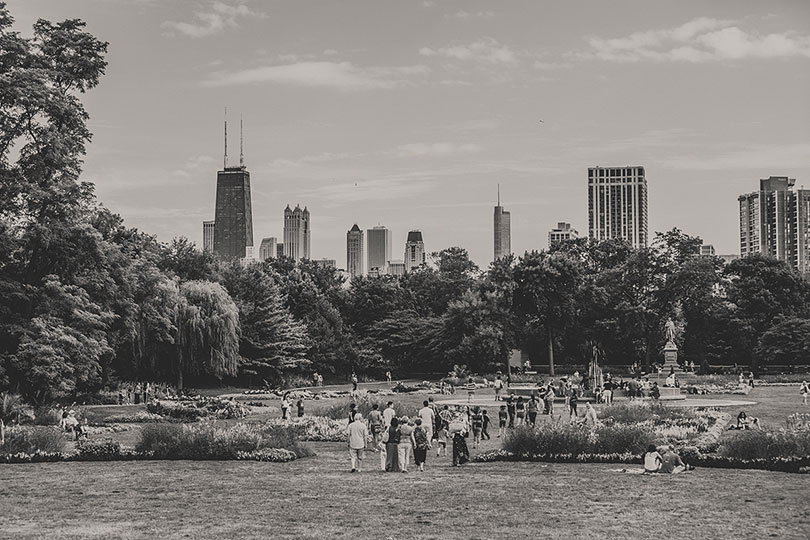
[[296, 233], [354, 251], [617, 204], [562, 233], [503, 232], [414, 251], [208, 236], [233, 219], [267, 249], [776, 222], [379, 248]]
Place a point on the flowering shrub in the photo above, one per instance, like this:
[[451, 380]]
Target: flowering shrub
[[103, 450], [756, 444], [33, 457], [275, 455], [32, 439], [199, 407], [364, 403], [314, 428], [566, 439], [137, 418], [632, 412]]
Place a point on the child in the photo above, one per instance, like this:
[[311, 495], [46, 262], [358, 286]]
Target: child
[[383, 455], [477, 426], [470, 390], [441, 447], [487, 421], [502, 417], [652, 460]]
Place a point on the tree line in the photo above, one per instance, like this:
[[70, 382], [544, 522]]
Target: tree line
[[86, 301]]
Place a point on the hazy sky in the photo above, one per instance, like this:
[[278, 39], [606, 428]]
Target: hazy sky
[[407, 113]]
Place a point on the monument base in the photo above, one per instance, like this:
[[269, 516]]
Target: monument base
[[670, 394]]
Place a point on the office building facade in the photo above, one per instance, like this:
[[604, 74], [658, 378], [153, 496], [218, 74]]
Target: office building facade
[[617, 204], [233, 219], [208, 236], [379, 249], [414, 251], [354, 251], [562, 233], [268, 249], [396, 268], [502, 230], [297, 233]]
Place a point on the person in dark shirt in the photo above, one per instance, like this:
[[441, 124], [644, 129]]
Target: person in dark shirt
[[503, 417], [510, 409], [487, 422]]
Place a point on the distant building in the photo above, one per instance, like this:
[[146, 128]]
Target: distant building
[[233, 216], [502, 230], [327, 263], [617, 204], [379, 249], [208, 236], [775, 221], [354, 251], [396, 268], [296, 233], [414, 251], [268, 248], [706, 250], [279, 250], [562, 233]]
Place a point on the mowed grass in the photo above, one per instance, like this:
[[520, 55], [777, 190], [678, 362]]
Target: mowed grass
[[319, 498]]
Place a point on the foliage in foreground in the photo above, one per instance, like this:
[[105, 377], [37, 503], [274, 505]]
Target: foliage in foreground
[[30, 439], [556, 438]]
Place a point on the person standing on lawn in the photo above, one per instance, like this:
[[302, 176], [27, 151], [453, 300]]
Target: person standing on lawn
[[406, 443], [477, 421], [549, 401], [300, 406], [285, 407], [354, 381], [520, 411], [510, 409], [461, 454], [389, 413], [421, 439], [375, 424], [357, 435], [573, 400], [428, 417], [498, 387], [804, 390], [532, 407], [502, 420], [470, 389], [391, 440], [487, 422]]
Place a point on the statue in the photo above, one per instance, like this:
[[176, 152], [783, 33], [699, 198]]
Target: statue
[[670, 332]]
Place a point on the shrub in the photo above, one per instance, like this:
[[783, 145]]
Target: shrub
[[756, 444], [314, 428], [641, 411], [29, 440], [194, 409], [571, 439], [275, 455], [623, 438], [45, 416], [98, 450], [339, 411], [137, 418], [184, 412]]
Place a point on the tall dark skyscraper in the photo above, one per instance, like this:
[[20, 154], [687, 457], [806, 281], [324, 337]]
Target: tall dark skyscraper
[[503, 230], [233, 222]]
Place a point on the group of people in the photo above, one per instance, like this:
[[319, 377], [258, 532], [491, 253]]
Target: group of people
[[663, 460], [285, 407], [69, 423], [400, 439], [136, 393]]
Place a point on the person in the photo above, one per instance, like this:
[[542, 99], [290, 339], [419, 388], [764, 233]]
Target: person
[[520, 411], [549, 400], [147, 390], [607, 394], [470, 389], [498, 387], [751, 379], [742, 378], [655, 392], [391, 439], [671, 462], [376, 424], [742, 420], [441, 438], [510, 409], [285, 406], [137, 393], [354, 381], [129, 394], [300, 406], [632, 389], [421, 439], [315, 379], [502, 419], [427, 415], [389, 413], [477, 422], [487, 422], [573, 400], [388, 376], [72, 424], [357, 434], [652, 460], [804, 389], [670, 380], [406, 443], [120, 397], [461, 454], [435, 409], [531, 408], [591, 420]]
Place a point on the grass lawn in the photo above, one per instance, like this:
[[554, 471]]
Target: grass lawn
[[318, 498]]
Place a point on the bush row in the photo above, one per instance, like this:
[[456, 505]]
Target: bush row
[[570, 439]]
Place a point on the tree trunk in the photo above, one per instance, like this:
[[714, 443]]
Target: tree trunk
[[179, 380], [2, 433], [550, 352], [647, 355]]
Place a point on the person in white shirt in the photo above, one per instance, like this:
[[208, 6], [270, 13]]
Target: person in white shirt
[[428, 417], [498, 387], [389, 413], [357, 434]]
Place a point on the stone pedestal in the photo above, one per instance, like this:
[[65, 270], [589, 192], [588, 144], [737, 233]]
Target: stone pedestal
[[670, 358]]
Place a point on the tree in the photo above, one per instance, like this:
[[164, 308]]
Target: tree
[[786, 343]]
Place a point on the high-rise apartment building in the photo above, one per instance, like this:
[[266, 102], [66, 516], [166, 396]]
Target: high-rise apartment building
[[354, 251], [562, 233], [296, 233], [379, 249], [414, 251], [208, 236], [279, 250], [776, 222], [502, 230], [617, 204], [233, 217], [268, 249]]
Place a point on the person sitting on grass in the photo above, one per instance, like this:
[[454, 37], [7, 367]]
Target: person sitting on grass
[[671, 462], [655, 392], [652, 460]]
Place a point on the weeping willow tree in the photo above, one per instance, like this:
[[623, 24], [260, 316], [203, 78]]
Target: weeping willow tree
[[207, 331]]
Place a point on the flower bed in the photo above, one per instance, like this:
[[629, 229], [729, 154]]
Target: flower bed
[[729, 388], [139, 417], [314, 428], [198, 408]]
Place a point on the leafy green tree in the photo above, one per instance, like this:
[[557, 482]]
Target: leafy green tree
[[786, 343]]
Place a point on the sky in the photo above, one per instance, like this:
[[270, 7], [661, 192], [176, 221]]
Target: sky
[[409, 113]]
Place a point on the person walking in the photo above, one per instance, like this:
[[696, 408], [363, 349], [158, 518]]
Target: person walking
[[804, 390], [389, 413], [531, 408], [477, 421], [406, 443], [498, 387], [376, 424], [285, 407], [510, 409], [470, 389], [573, 399], [461, 454], [428, 417], [549, 400], [354, 381], [357, 434], [391, 440], [421, 438], [487, 422]]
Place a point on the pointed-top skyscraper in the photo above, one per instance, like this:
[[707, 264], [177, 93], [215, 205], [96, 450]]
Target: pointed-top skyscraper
[[354, 251], [296, 233], [503, 230], [233, 221]]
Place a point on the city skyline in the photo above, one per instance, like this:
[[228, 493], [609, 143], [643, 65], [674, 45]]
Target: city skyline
[[411, 113]]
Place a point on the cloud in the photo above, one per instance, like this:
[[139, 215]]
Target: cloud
[[699, 40], [217, 18], [773, 157], [486, 50], [193, 164], [470, 14], [436, 149], [339, 75]]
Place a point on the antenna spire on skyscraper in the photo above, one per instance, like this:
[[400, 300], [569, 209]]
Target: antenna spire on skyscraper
[[499, 194], [226, 139], [241, 147]]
